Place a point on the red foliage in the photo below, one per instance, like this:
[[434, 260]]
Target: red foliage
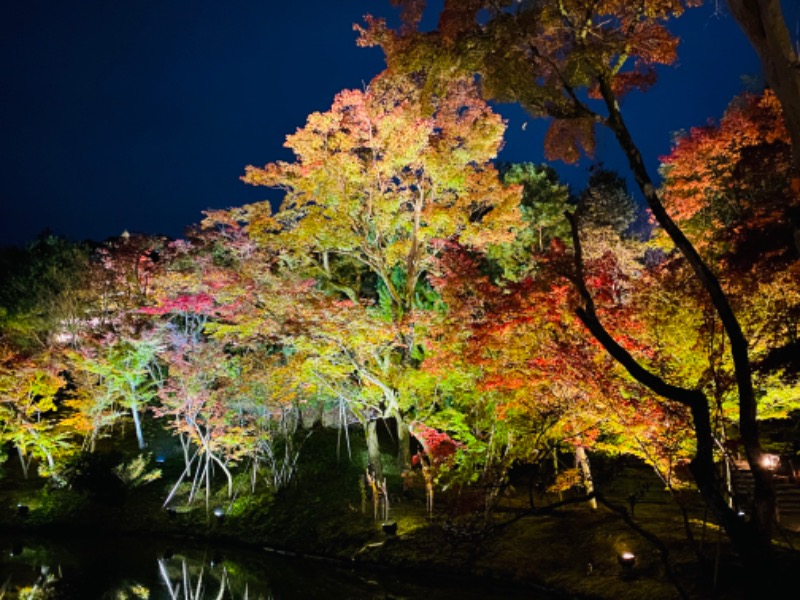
[[186, 303], [437, 445]]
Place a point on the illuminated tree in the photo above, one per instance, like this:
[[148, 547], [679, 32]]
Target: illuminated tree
[[123, 274], [572, 61], [114, 375], [381, 176], [28, 390], [728, 185], [195, 401], [228, 393], [526, 351], [478, 383], [378, 180]]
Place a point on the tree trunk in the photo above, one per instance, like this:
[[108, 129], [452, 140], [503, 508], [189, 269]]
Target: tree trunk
[[582, 459], [765, 27], [137, 425], [23, 463], [403, 441], [373, 450], [758, 540]]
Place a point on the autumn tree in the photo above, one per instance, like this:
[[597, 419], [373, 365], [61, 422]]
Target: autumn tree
[[572, 62], [29, 386], [123, 274], [486, 389], [377, 181], [547, 379], [728, 185], [227, 393], [382, 175], [115, 376], [193, 394]]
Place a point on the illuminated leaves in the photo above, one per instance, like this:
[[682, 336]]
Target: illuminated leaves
[[29, 386], [729, 186], [713, 172], [565, 139], [384, 174], [547, 56]]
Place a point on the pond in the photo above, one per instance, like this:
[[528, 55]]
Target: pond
[[117, 568]]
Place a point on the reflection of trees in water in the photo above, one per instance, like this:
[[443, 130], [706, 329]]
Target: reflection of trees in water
[[39, 582], [124, 568], [50, 584], [184, 588], [33, 572], [191, 577]]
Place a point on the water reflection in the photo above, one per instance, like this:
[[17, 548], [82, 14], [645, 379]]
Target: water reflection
[[130, 568], [180, 585]]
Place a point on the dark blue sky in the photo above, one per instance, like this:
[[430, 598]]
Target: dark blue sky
[[139, 114]]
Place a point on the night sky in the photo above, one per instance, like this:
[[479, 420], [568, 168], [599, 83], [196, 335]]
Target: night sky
[[138, 114]]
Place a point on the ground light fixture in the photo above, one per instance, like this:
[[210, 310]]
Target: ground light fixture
[[389, 528], [627, 560], [219, 513]]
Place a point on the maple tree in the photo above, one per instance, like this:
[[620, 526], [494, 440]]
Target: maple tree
[[29, 386], [527, 352], [193, 400], [572, 61], [728, 185], [381, 175], [262, 313], [229, 392], [115, 374], [193, 391], [378, 180], [127, 266]]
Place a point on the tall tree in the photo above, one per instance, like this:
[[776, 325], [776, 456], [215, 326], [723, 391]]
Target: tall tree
[[572, 61], [378, 181], [382, 176]]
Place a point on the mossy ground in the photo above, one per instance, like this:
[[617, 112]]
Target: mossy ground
[[325, 513]]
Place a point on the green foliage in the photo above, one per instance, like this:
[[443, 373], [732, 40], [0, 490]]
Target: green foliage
[[542, 207], [779, 396], [55, 506], [116, 376], [134, 473], [606, 203], [44, 292]]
